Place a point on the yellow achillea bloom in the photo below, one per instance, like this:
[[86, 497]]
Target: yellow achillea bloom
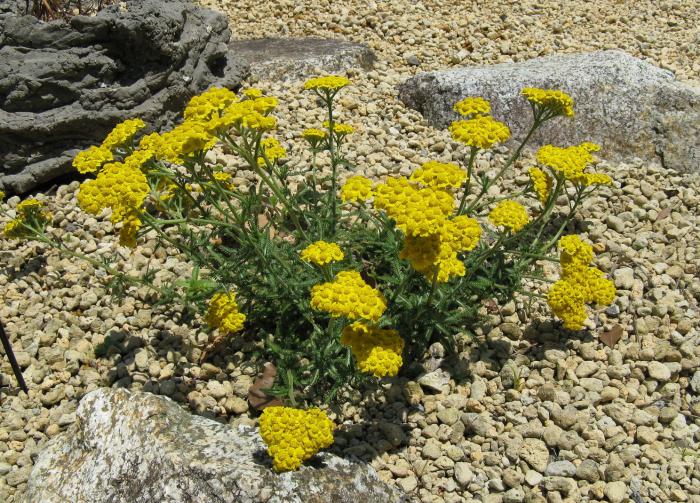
[[314, 134], [2, 195], [29, 205], [557, 102], [122, 133], [377, 351], [472, 106], [117, 186], [130, 226], [328, 83], [138, 158], [259, 122], [265, 105], [542, 184], [209, 104], [293, 435], [252, 93], [572, 161], [509, 214], [481, 132], [439, 175], [356, 189], [339, 128], [182, 141], [348, 295], [90, 160], [462, 233], [322, 253], [223, 313], [273, 150], [30, 212], [579, 284]]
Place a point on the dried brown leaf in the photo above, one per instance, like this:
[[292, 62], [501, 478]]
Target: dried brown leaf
[[611, 337]]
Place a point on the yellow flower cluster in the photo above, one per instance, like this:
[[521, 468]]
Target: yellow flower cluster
[[357, 189], [377, 351], [438, 252], [123, 133], [348, 295], [509, 214], [579, 284], [339, 128], [30, 212], [118, 186], [328, 83], [223, 313], [473, 106], [272, 149], [314, 134], [322, 253], [439, 175], [209, 104], [572, 161], [479, 132], [542, 183], [252, 92], [557, 102], [175, 145], [90, 160], [417, 211], [130, 226], [293, 435]]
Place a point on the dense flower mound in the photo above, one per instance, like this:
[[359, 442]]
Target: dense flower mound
[[579, 284], [439, 175], [472, 106], [480, 132], [555, 101], [322, 253], [377, 351], [542, 183], [328, 83], [356, 189], [223, 313], [509, 214], [348, 295], [119, 187], [293, 435]]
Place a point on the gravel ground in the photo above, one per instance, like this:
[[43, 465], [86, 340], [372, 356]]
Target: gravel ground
[[541, 415]]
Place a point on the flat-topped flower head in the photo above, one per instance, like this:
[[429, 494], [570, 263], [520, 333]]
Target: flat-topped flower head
[[356, 189], [31, 213], [340, 129], [211, 103], [542, 183], [272, 149], [348, 295], [92, 159], [439, 175], [223, 313], [329, 83], [509, 214], [322, 253], [479, 132], [252, 92], [554, 101], [122, 133], [294, 435], [472, 106], [119, 187], [376, 350], [572, 162], [567, 303]]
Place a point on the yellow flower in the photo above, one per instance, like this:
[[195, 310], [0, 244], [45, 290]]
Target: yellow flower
[[472, 106], [571, 161], [15, 229], [348, 295], [90, 160], [272, 149], [209, 104], [462, 233], [259, 122], [252, 93], [265, 105], [542, 184], [130, 226], [574, 252], [556, 102], [509, 214], [377, 351], [223, 313], [27, 206], [122, 133], [566, 302], [480, 132], [339, 128], [2, 195], [356, 189], [117, 186], [439, 175], [322, 253], [327, 84], [138, 158], [314, 134], [293, 435], [588, 179]]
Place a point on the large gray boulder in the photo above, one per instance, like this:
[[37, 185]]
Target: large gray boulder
[[630, 107], [299, 58], [135, 447], [64, 86]]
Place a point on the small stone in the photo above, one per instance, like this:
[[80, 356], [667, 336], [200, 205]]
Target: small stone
[[588, 471], [560, 469], [646, 435], [432, 449], [448, 416], [412, 59], [52, 430], [695, 382], [393, 433], [435, 380], [658, 371], [408, 484], [624, 278], [236, 405], [667, 415], [615, 223], [479, 424], [463, 474], [586, 369], [535, 453], [4, 468], [67, 419], [17, 477], [547, 393], [412, 392], [615, 491], [141, 359], [533, 478], [53, 396], [562, 484], [515, 495]]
